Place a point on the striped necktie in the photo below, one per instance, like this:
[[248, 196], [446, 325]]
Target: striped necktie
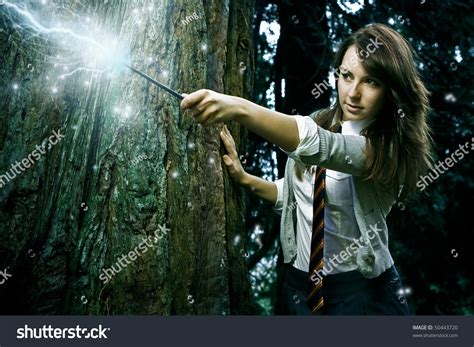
[[316, 262]]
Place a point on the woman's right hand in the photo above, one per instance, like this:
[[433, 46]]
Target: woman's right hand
[[231, 159]]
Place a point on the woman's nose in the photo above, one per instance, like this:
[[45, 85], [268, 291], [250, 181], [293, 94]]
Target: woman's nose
[[354, 92]]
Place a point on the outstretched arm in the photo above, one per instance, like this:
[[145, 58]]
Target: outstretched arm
[[299, 136], [209, 107]]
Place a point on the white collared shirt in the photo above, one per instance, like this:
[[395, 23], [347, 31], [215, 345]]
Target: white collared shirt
[[340, 224]]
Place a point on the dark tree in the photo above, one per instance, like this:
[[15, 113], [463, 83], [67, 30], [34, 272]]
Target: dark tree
[[130, 164]]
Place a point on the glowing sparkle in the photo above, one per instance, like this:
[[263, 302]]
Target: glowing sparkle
[[123, 111], [404, 291], [450, 97], [174, 174], [90, 48], [211, 160], [191, 145], [101, 49], [237, 240], [127, 111], [242, 67], [204, 47], [15, 86]]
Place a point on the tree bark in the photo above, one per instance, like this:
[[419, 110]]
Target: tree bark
[[115, 180]]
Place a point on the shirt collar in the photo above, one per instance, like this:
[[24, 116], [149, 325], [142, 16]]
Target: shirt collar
[[354, 127]]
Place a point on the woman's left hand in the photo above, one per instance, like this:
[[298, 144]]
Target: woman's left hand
[[209, 107]]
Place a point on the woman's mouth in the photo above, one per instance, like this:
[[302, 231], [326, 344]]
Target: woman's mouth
[[353, 108]]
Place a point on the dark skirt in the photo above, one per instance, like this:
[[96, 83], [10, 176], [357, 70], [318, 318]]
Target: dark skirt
[[347, 293]]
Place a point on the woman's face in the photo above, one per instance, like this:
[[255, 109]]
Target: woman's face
[[361, 96]]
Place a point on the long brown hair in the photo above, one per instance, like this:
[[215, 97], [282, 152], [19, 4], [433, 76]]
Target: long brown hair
[[399, 146]]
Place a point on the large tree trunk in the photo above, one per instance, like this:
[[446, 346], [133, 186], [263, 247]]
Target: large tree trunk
[[120, 172]]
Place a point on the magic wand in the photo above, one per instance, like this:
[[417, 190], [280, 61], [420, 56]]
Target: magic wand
[[159, 84]]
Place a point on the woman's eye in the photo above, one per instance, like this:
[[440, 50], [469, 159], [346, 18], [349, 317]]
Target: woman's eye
[[371, 82], [345, 76]]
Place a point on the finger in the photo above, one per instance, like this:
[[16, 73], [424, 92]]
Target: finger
[[204, 104], [193, 99], [204, 108], [209, 106], [196, 111], [211, 116], [223, 136], [225, 141], [227, 160], [231, 143], [229, 163], [226, 130], [231, 137], [230, 148]]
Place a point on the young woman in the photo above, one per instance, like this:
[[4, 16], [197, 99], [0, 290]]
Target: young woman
[[339, 261]]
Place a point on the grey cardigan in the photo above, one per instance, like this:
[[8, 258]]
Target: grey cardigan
[[345, 153]]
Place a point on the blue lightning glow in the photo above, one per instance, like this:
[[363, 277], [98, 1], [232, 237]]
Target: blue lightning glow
[[94, 54], [41, 29], [81, 47]]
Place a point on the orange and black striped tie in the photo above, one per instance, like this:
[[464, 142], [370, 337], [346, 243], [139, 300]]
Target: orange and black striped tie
[[315, 295], [316, 262]]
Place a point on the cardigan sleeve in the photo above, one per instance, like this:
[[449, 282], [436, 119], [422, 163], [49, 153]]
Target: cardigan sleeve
[[334, 151], [278, 207]]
